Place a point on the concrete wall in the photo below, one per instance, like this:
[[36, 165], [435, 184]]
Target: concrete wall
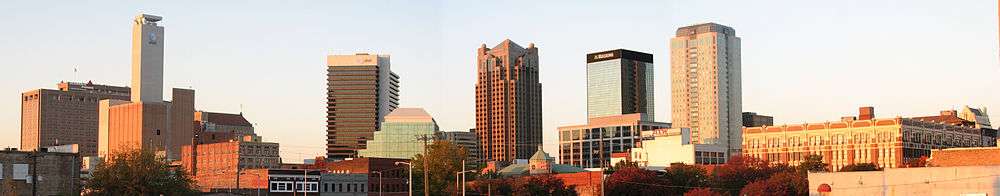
[[911, 181]]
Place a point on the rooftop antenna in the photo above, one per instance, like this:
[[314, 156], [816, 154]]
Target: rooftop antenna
[[76, 73], [241, 109]]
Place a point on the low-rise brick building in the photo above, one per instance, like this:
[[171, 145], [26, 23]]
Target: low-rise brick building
[[215, 166], [51, 173]]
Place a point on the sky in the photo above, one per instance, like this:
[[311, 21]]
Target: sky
[[802, 61]]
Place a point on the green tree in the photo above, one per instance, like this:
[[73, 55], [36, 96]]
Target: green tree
[[860, 167], [812, 163], [443, 161], [139, 172]]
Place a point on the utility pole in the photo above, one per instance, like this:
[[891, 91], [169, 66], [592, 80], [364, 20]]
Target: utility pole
[[34, 172], [424, 157]]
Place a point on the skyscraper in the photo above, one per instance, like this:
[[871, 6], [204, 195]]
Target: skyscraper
[[508, 101], [361, 90], [619, 82], [705, 84], [396, 138]]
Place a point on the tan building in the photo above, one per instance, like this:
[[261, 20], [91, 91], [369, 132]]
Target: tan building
[[705, 84], [147, 121], [591, 145], [887, 142], [65, 116], [214, 166], [508, 101], [158, 126], [943, 181], [361, 91]]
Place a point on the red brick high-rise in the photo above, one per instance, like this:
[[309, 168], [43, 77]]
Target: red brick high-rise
[[508, 101]]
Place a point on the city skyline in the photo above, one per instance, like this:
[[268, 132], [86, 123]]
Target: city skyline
[[903, 60]]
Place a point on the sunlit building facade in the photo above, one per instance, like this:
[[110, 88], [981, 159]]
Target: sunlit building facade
[[398, 135], [887, 142], [705, 84], [361, 90], [591, 145], [508, 101]]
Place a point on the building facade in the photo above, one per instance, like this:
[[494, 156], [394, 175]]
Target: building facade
[[55, 173], [705, 84], [398, 135], [215, 166], [65, 116], [508, 101], [223, 122], [591, 145], [661, 147], [752, 119], [147, 121], [886, 142], [393, 176], [966, 181], [620, 82], [467, 140], [361, 90]]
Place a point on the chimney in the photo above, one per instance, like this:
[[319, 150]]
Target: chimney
[[866, 113], [949, 113]]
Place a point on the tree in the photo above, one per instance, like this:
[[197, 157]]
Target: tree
[[634, 181], [739, 171], [443, 161], [812, 163], [702, 192], [860, 167], [683, 177], [542, 185], [139, 172], [784, 183]]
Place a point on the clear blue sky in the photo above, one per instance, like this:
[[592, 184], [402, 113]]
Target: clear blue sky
[[803, 61]]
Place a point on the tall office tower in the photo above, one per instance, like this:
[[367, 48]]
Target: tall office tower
[[619, 82], [65, 116], [147, 59], [396, 138], [508, 102], [705, 84], [147, 121], [361, 90]]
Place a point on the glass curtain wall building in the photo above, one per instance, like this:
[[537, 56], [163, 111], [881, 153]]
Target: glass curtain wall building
[[397, 138], [620, 82]]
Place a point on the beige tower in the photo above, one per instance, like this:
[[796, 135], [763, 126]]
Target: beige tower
[[147, 59], [705, 84], [147, 122]]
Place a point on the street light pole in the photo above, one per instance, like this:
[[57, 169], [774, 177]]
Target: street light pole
[[379, 182], [410, 182], [463, 179]]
